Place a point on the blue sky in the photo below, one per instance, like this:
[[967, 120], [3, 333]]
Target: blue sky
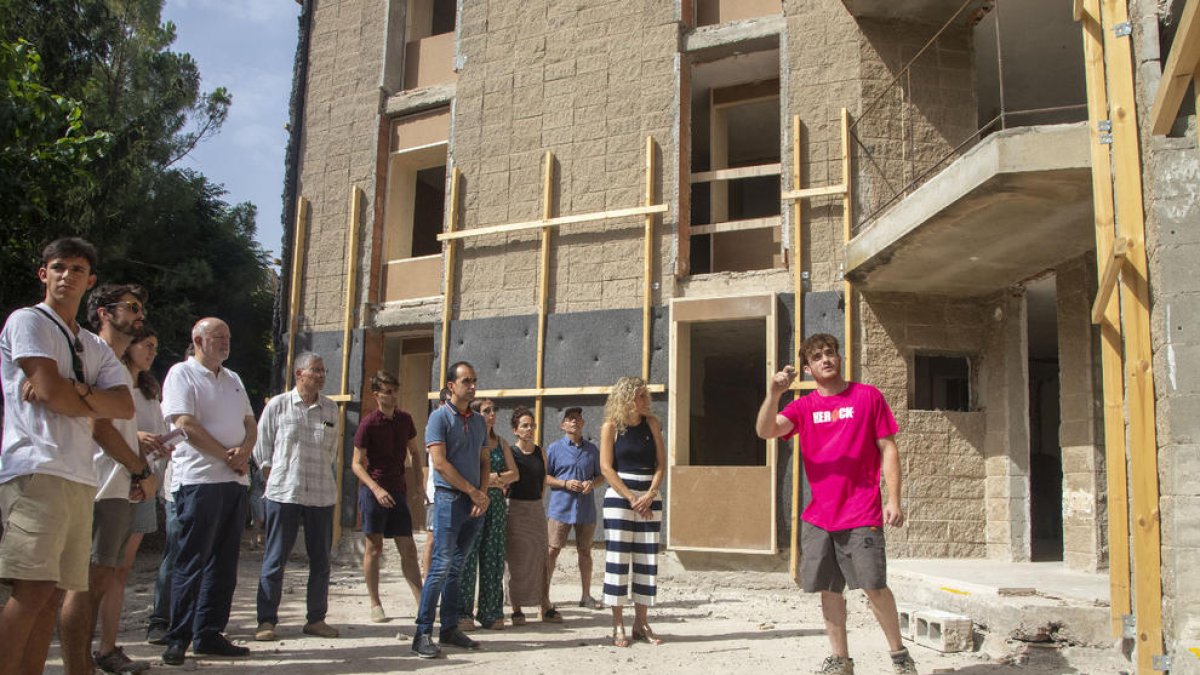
[[246, 46]]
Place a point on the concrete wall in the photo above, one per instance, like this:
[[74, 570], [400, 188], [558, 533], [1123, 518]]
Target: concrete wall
[[1081, 432], [942, 452], [588, 81], [1171, 171]]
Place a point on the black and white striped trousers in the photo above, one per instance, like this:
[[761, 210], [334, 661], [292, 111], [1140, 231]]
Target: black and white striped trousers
[[630, 540]]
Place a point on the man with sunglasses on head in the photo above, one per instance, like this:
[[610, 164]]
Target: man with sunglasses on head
[[58, 377], [116, 312]]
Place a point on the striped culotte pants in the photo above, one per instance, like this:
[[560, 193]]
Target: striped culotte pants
[[630, 539]]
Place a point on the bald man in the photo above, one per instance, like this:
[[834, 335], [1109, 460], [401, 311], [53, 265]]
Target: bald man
[[209, 479]]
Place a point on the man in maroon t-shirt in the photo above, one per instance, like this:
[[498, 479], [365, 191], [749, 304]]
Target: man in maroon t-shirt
[[383, 439]]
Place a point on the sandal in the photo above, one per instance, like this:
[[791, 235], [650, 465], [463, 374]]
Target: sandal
[[591, 603], [646, 635], [552, 616], [518, 618], [618, 637]]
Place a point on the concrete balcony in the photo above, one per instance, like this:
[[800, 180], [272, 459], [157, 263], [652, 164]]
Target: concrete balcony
[[1013, 206], [932, 11]]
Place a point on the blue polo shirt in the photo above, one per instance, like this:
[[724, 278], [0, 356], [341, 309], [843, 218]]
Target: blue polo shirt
[[463, 435], [567, 461]]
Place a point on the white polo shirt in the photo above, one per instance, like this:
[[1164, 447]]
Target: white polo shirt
[[220, 404], [37, 440], [114, 478]]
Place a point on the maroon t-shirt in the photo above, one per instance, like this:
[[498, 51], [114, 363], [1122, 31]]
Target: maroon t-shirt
[[386, 443]]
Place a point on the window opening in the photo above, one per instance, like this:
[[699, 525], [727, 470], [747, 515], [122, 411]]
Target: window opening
[[941, 382]]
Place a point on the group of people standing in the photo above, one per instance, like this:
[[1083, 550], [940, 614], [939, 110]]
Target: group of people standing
[[90, 439]]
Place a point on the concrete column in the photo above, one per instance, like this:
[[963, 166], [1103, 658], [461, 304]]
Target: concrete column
[[1004, 392]]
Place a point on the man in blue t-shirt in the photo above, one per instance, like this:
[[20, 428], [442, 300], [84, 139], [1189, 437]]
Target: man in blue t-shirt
[[573, 474], [454, 438]]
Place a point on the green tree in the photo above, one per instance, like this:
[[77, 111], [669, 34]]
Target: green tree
[[141, 109]]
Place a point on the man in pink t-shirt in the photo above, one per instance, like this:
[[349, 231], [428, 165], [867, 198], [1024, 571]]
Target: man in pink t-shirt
[[847, 436]]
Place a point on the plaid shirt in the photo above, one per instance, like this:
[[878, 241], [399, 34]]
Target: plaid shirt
[[298, 442]]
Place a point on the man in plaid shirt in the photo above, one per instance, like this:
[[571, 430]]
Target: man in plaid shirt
[[296, 451]]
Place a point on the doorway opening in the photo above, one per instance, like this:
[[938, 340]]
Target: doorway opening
[[727, 385], [1045, 450]]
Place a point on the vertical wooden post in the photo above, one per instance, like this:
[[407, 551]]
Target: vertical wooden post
[[1110, 327], [647, 260], [1135, 305], [356, 196], [448, 274], [294, 302], [847, 224], [544, 279], [797, 260]]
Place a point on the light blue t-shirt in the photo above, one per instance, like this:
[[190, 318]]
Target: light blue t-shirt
[[567, 461], [463, 435]]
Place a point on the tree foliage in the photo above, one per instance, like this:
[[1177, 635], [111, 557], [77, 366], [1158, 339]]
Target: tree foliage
[[95, 116]]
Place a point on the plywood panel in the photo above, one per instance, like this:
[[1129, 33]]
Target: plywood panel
[[709, 12], [429, 61], [413, 278], [414, 131], [720, 508], [722, 309]]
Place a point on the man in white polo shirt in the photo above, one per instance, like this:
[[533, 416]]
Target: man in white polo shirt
[[57, 378], [209, 479]]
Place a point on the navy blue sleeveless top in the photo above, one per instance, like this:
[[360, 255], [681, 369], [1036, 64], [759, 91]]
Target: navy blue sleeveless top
[[634, 451]]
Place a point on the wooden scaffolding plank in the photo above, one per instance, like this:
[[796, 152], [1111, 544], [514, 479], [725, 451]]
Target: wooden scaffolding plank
[[448, 273], [298, 241], [1179, 70], [797, 261], [1112, 380], [647, 260], [847, 226], [554, 222], [356, 198], [543, 279], [599, 390], [1110, 268], [738, 225], [809, 193], [1135, 306], [736, 173]]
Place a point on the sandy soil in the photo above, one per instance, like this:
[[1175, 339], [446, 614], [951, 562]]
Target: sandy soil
[[719, 622]]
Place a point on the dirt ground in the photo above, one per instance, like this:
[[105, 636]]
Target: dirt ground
[[719, 622]]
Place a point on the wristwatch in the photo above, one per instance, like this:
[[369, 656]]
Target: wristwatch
[[141, 475]]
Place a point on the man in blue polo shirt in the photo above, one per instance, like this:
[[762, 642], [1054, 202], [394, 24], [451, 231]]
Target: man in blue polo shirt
[[454, 438], [573, 474]]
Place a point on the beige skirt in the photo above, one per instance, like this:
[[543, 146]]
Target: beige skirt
[[527, 545]]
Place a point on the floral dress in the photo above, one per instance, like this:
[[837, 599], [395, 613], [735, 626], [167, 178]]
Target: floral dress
[[487, 555]]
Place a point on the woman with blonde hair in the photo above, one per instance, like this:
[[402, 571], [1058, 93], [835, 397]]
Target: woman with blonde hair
[[633, 462]]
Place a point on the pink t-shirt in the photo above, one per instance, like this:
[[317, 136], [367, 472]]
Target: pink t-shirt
[[842, 461]]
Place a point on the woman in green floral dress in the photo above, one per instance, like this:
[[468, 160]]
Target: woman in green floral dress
[[488, 554]]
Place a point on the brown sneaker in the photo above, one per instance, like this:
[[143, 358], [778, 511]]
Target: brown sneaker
[[836, 665], [902, 663], [320, 629], [265, 632]]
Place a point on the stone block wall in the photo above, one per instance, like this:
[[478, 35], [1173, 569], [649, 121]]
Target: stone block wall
[[1081, 430], [340, 137], [588, 81], [942, 453]]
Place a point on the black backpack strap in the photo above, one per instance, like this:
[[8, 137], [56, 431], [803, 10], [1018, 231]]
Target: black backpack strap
[[74, 346]]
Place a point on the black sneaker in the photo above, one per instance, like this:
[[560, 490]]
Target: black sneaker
[[424, 647], [457, 638], [218, 645], [174, 654], [116, 662], [156, 635]]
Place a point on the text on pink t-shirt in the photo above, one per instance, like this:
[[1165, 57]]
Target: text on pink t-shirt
[[838, 437]]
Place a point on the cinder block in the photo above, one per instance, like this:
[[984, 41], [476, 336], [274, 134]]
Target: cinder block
[[943, 631], [905, 613]]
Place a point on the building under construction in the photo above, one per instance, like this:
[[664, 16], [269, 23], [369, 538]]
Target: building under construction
[[992, 203]]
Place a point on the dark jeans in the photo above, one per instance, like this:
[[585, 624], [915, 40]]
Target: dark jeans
[[211, 518], [454, 531], [283, 521], [160, 617]]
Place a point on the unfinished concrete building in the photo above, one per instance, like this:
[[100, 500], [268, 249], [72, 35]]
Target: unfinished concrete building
[[566, 192]]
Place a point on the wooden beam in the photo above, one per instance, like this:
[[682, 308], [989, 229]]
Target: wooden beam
[[298, 241], [534, 392], [341, 398], [543, 280], [1077, 10], [809, 193], [356, 197], [448, 272], [1108, 277], [847, 226], [554, 222], [738, 225], [736, 173], [1177, 74], [1111, 342], [797, 262], [647, 260], [1139, 356]]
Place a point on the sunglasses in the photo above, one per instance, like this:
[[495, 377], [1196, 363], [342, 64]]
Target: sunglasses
[[76, 362], [134, 307]]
